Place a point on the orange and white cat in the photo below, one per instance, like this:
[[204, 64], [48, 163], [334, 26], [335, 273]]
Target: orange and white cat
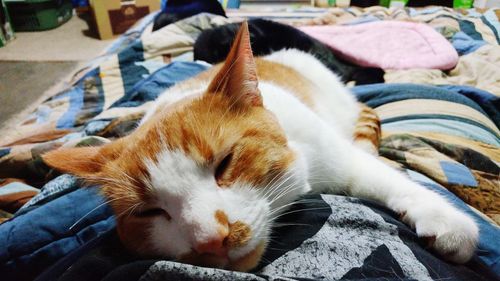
[[221, 155]]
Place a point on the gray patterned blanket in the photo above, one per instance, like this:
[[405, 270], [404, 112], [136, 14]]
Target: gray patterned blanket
[[323, 237]]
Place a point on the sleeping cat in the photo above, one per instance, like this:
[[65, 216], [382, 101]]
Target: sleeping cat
[[221, 155]]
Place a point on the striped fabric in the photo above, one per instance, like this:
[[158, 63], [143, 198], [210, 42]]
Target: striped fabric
[[445, 136], [13, 195], [100, 100]]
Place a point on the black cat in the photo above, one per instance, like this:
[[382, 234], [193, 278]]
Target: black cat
[[267, 36], [181, 9]]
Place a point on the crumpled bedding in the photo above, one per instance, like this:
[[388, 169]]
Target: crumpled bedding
[[343, 239], [451, 148], [474, 35], [388, 44], [444, 134], [479, 68]]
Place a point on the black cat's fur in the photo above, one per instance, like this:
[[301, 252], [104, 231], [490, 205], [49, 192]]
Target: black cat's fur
[[266, 37], [180, 9]]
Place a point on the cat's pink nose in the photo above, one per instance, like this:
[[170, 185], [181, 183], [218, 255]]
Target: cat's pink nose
[[217, 243], [214, 246]]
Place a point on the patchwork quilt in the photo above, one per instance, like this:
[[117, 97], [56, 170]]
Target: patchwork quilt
[[440, 127]]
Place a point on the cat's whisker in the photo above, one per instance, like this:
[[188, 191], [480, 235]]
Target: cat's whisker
[[286, 190], [276, 176], [281, 208], [290, 224], [272, 185], [94, 209], [323, 181], [273, 240], [130, 210], [266, 260], [306, 200], [277, 249], [279, 185], [300, 210], [280, 214]]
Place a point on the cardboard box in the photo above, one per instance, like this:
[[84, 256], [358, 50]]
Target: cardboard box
[[114, 17], [6, 31]]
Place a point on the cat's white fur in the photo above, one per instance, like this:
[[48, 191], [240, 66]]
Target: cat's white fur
[[327, 161]]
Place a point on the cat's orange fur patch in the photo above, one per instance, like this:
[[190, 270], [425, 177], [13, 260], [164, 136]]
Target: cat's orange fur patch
[[223, 227], [239, 234], [221, 217], [367, 132], [132, 232]]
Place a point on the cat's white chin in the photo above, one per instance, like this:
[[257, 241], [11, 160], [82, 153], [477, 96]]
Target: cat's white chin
[[250, 260], [244, 262]]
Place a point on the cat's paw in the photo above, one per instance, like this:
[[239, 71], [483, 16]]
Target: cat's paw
[[448, 231]]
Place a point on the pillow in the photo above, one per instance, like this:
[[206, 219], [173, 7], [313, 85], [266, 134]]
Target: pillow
[[388, 44]]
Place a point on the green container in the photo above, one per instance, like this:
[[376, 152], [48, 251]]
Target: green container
[[393, 3], [6, 32], [35, 15], [462, 4]]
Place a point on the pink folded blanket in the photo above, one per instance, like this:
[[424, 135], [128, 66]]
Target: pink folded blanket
[[388, 44]]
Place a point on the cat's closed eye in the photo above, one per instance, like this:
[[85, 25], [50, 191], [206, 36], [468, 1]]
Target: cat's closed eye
[[222, 167], [153, 212]]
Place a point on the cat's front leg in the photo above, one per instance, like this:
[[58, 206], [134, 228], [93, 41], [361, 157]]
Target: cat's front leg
[[453, 234]]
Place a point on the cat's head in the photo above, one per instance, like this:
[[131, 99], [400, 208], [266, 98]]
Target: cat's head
[[202, 180]]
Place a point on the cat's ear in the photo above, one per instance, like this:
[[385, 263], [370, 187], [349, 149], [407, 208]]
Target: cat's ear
[[84, 162], [237, 79], [79, 161]]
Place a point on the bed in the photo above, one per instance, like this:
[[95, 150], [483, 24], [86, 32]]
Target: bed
[[441, 127]]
